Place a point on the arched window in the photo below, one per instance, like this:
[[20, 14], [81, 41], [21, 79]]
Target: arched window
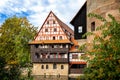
[[46, 66], [42, 66], [62, 67], [54, 66]]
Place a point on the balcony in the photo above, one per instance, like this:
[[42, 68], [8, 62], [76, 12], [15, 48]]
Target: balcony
[[52, 50], [51, 60], [76, 71]]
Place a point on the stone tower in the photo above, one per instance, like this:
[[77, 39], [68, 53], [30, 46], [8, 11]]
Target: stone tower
[[103, 8]]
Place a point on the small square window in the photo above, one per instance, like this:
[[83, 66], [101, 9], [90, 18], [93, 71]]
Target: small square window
[[60, 37], [46, 30], [80, 29], [53, 22], [93, 26], [74, 56], [47, 22], [55, 30]]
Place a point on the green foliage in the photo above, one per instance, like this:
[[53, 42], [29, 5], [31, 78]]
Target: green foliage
[[104, 61], [15, 33]]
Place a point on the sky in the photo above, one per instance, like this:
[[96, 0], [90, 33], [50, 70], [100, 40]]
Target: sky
[[36, 11]]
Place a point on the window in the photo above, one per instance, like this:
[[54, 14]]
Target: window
[[43, 56], [42, 66], [55, 46], [54, 66], [46, 30], [53, 37], [61, 46], [60, 37], [66, 45], [55, 30], [53, 22], [76, 47], [52, 46], [74, 56], [93, 26], [47, 22], [79, 29], [36, 46], [62, 56], [46, 66], [37, 55], [62, 67]]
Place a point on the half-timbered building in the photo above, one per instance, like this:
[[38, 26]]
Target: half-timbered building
[[50, 48]]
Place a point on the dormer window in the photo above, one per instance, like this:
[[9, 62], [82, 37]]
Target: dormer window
[[79, 29]]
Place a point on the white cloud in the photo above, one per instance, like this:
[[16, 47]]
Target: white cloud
[[38, 10]]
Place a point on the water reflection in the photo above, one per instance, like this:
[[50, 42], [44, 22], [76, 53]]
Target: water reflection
[[52, 78]]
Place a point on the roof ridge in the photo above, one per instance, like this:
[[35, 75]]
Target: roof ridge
[[63, 25]]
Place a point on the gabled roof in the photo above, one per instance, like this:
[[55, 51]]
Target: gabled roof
[[64, 28], [78, 13], [63, 25]]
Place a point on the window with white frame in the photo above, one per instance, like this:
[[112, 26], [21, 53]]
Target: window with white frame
[[79, 29]]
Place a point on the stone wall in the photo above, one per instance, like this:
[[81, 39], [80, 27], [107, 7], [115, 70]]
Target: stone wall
[[50, 71], [103, 8]]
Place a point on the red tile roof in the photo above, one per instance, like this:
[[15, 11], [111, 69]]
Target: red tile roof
[[78, 62], [50, 41]]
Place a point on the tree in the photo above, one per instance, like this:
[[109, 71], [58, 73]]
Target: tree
[[15, 34], [104, 55]]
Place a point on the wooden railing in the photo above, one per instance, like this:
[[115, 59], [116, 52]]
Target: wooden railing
[[52, 50], [51, 60], [76, 71]]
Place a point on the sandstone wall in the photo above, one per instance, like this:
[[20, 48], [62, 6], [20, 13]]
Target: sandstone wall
[[103, 8], [50, 71]]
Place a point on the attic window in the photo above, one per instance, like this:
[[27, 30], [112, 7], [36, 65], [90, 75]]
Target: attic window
[[79, 29], [53, 37], [53, 22], [46, 30], [55, 30], [60, 37], [47, 22], [93, 26]]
